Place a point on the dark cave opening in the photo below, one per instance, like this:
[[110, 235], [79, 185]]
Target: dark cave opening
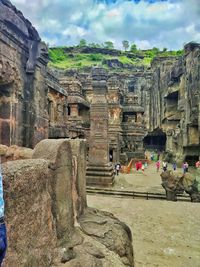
[[155, 140]]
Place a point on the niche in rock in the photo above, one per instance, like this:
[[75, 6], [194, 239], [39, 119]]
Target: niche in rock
[[171, 101], [6, 108], [131, 87], [129, 117]]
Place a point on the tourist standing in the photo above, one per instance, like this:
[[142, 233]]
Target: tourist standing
[[174, 166], [197, 164], [185, 167], [117, 167], [3, 234], [158, 165], [164, 166]]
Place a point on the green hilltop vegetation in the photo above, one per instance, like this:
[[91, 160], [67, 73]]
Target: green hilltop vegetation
[[87, 55]]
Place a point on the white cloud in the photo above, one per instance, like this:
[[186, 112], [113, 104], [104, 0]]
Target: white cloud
[[143, 44], [167, 23], [74, 30]]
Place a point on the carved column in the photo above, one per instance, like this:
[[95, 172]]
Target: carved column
[[100, 170]]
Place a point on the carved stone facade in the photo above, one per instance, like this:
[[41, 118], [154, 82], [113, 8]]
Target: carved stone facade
[[174, 103], [148, 108], [23, 60]]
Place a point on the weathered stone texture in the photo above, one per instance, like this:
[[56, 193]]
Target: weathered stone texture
[[78, 148], [174, 103], [176, 183], [58, 153], [30, 224], [25, 110], [14, 153], [47, 216]]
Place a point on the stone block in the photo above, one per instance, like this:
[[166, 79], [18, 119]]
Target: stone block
[[29, 220], [58, 153], [78, 148]]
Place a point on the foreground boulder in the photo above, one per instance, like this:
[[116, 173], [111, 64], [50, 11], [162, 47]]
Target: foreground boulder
[[176, 183], [48, 221]]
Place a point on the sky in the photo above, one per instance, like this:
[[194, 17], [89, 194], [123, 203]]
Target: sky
[[147, 23]]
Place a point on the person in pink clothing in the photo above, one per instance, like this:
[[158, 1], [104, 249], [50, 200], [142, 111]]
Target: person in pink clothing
[[158, 165]]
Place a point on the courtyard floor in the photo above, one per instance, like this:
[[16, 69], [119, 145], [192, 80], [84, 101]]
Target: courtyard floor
[[165, 234]]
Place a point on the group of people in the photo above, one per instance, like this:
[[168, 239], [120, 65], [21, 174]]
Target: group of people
[[185, 166], [164, 165], [142, 166], [174, 166]]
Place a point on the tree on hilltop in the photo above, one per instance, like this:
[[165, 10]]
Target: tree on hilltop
[[125, 44], [133, 48], [108, 45], [95, 45], [82, 43]]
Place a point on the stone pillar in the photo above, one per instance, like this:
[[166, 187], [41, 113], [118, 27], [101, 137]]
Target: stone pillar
[[99, 170]]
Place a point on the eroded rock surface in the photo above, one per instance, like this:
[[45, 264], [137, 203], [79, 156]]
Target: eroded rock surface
[[14, 153], [48, 221], [29, 219], [176, 183]]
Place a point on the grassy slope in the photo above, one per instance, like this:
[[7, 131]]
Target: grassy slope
[[63, 60]]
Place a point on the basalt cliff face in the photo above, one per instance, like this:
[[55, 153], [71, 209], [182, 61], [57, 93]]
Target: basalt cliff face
[[23, 60], [175, 103]]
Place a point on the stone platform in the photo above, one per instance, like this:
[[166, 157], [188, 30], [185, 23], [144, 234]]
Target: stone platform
[[100, 175]]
